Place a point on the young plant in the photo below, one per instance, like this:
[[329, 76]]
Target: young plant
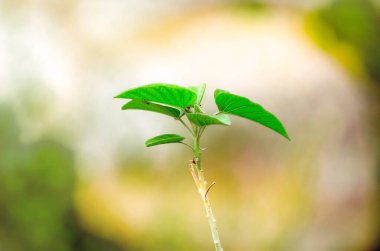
[[181, 102]]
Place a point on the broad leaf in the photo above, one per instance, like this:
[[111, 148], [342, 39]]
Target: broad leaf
[[204, 120], [164, 139], [167, 94], [243, 107], [200, 91], [148, 106]]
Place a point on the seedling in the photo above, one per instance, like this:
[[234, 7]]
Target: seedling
[[184, 105]]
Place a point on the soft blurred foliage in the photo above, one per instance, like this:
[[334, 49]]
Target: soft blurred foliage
[[37, 183], [74, 172]]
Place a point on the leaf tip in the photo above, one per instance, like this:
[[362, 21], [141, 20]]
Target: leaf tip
[[118, 95], [284, 133], [124, 107]]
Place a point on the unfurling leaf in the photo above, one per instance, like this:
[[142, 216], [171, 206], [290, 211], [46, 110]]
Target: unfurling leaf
[[164, 139], [148, 106], [198, 109], [200, 91], [243, 107], [167, 94], [204, 120]]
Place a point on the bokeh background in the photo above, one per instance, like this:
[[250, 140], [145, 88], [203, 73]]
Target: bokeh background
[[74, 172]]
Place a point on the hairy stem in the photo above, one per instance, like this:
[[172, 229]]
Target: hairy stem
[[201, 183]]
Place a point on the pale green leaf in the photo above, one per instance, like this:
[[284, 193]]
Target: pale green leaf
[[200, 119], [200, 91], [198, 109], [164, 139], [243, 107], [167, 94], [148, 106]]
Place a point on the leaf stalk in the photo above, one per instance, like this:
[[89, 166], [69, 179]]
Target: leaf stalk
[[186, 126]]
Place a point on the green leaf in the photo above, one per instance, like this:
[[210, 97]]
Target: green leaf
[[198, 109], [243, 107], [148, 106], [167, 94], [204, 120], [164, 139], [200, 91]]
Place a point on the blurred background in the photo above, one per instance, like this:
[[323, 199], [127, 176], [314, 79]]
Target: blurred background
[[74, 172]]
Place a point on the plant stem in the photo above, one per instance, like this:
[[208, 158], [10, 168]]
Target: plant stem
[[200, 181], [186, 126]]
